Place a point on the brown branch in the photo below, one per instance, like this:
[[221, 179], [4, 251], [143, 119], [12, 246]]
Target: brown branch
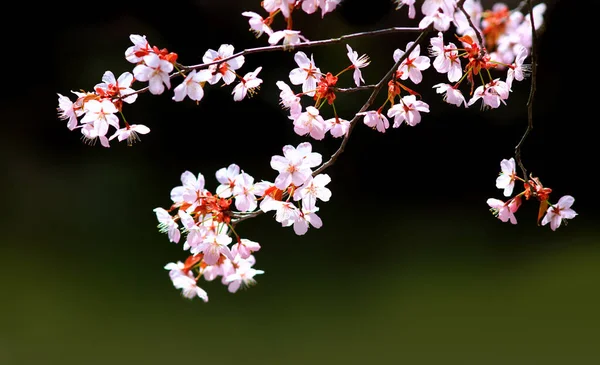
[[531, 94], [376, 89], [352, 89], [322, 42], [461, 5]]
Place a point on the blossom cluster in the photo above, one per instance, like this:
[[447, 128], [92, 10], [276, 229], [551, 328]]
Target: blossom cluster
[[206, 220], [554, 214], [481, 62]]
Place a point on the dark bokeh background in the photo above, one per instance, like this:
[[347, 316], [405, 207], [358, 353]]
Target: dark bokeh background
[[409, 267]]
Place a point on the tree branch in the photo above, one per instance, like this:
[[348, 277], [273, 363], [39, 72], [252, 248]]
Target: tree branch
[[531, 94], [322, 42]]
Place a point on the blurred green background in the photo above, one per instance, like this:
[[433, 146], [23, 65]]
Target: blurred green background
[[409, 267]]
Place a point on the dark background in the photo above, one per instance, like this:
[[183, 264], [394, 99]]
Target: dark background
[[409, 266]]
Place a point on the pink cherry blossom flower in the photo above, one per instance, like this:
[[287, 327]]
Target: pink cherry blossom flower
[[507, 177], [224, 70], [68, 111], [290, 38], [91, 133], [227, 176], [166, 224], [328, 6], [518, 70], [257, 23], [130, 133], [189, 287], [313, 189], [243, 191], [504, 211], [337, 126], [281, 5], [111, 87], [408, 110], [242, 277], [155, 71], [411, 7], [310, 122], [452, 95], [560, 211], [140, 48], [295, 165], [446, 58], [248, 85], [412, 65], [244, 248], [492, 94], [306, 217], [306, 74], [192, 85], [376, 120], [286, 213], [289, 100], [441, 21], [213, 246], [99, 115], [430, 7], [357, 64], [191, 189]]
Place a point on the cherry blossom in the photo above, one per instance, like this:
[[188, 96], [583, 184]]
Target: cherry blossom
[[289, 100], [411, 7], [452, 94], [446, 58], [313, 189], [357, 64], [412, 65], [295, 165], [310, 122], [189, 287], [560, 211], [376, 120], [121, 87], [492, 94], [224, 70], [242, 277], [504, 211], [244, 248], [408, 110], [507, 177], [518, 71], [290, 38], [257, 24], [307, 217], [167, 224], [213, 246], [227, 177], [243, 190], [337, 126], [140, 48], [68, 111], [247, 85], [191, 189], [155, 71], [192, 86], [130, 133], [281, 5], [306, 74]]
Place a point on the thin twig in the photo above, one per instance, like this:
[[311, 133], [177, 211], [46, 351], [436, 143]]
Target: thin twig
[[322, 42], [461, 5], [376, 89], [531, 94]]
